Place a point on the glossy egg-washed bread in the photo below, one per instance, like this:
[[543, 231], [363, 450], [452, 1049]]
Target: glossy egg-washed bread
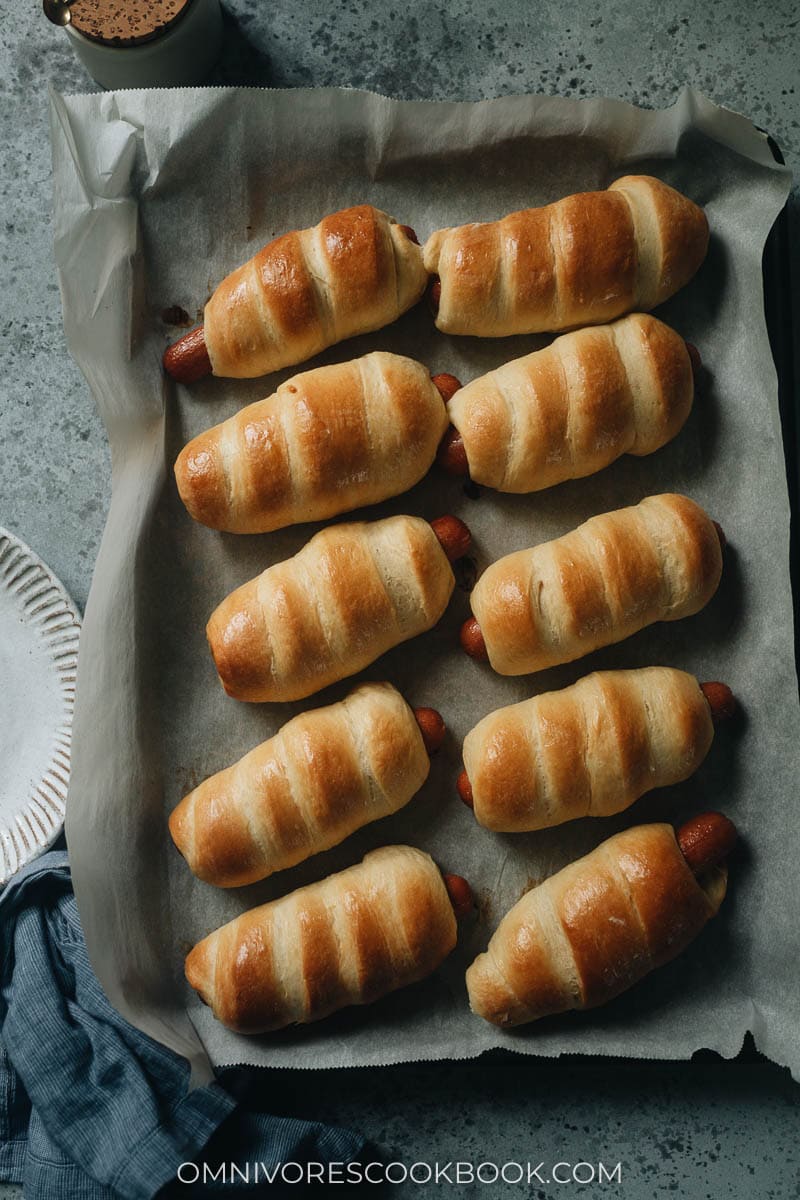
[[357, 270], [589, 750], [322, 776], [594, 929], [349, 939], [585, 259], [571, 409], [328, 440], [353, 591], [618, 572]]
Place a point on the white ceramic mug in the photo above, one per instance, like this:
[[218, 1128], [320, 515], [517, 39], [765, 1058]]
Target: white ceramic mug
[[182, 55]]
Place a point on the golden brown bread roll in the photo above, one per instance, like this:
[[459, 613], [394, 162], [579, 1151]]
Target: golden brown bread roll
[[618, 572], [353, 591], [581, 261], [354, 272], [573, 408], [328, 440], [349, 939], [588, 750], [322, 776], [594, 929]]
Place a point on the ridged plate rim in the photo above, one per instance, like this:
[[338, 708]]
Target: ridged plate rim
[[45, 606]]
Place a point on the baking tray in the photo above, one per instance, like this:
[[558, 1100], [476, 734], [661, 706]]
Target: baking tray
[[780, 309], [146, 699]]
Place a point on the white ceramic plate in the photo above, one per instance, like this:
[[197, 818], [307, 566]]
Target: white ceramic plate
[[39, 630]]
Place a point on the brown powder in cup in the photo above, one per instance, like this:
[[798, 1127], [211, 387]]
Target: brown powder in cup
[[126, 22]]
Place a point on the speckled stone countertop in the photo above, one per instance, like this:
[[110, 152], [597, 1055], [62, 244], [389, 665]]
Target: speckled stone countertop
[[706, 1129]]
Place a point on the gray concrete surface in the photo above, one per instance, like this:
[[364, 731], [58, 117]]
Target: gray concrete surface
[[706, 1129]]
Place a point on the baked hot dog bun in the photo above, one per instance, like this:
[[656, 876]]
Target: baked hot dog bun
[[328, 441], [322, 776], [353, 591], [581, 261], [589, 750], [594, 929], [349, 939], [571, 409], [659, 560], [357, 270]]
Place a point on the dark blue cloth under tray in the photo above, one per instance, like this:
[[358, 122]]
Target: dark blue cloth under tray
[[90, 1108]]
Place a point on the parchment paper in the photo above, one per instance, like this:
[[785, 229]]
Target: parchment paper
[[159, 195]]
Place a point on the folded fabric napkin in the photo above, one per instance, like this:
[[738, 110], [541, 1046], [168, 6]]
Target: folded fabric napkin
[[90, 1108]]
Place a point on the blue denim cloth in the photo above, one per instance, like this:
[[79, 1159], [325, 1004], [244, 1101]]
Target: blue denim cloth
[[90, 1108]]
